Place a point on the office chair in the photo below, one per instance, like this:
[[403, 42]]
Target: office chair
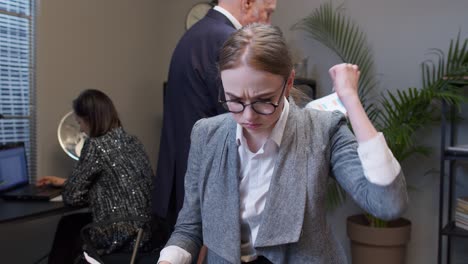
[[304, 92], [160, 235], [307, 86]]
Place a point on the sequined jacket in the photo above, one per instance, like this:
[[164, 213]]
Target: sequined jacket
[[113, 178]]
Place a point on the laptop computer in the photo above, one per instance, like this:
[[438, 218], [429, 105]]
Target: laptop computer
[[14, 179]]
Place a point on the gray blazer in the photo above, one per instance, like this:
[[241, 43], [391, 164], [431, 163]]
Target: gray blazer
[[293, 228]]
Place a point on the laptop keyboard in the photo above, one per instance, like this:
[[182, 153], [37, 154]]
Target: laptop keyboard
[[33, 190], [42, 190]]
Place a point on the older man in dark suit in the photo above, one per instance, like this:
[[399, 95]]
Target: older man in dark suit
[[192, 92]]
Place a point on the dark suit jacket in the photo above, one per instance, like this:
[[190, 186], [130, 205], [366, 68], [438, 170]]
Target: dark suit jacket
[[191, 94]]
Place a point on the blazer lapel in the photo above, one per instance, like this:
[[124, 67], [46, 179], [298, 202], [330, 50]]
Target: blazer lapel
[[221, 221], [283, 215]]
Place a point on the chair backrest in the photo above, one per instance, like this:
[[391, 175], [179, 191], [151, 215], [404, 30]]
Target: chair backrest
[[307, 86], [160, 234]]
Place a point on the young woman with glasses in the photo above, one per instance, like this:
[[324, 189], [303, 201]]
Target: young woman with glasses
[[256, 181]]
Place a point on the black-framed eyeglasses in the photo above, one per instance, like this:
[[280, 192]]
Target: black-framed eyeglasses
[[260, 107]]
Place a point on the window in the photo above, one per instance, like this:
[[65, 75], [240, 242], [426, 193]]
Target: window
[[17, 102]]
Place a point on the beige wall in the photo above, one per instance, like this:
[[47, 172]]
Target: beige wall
[[107, 44]]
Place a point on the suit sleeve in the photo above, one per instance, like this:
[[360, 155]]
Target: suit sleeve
[[385, 202], [213, 77]]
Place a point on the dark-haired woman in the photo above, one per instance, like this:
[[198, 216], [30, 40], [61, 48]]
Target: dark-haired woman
[[112, 177]]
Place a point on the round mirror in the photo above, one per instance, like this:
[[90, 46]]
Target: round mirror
[[70, 136]]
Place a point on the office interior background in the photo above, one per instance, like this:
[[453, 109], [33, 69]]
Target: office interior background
[[124, 47]]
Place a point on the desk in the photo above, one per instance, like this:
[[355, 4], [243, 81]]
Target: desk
[[22, 211], [18, 216]]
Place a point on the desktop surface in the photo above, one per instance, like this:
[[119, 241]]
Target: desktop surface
[[17, 211]]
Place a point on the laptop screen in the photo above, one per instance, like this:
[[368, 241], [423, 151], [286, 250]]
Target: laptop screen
[[13, 168]]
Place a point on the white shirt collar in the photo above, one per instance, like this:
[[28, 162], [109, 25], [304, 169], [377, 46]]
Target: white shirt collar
[[229, 16], [277, 132]]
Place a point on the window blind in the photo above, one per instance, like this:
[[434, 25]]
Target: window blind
[[17, 95]]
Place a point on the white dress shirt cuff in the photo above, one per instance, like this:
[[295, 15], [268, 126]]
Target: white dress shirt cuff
[[175, 255], [379, 164]]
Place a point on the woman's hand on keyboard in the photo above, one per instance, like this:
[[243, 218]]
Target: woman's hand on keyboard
[[51, 180]]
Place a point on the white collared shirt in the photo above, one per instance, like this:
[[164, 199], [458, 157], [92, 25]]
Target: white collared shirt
[[229, 16], [256, 170]]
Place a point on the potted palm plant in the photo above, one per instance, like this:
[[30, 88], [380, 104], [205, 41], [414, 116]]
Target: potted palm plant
[[397, 114]]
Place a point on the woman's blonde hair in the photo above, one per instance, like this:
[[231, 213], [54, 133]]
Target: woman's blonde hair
[[260, 46], [263, 48]]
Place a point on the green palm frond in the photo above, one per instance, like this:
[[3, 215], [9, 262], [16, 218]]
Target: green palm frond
[[402, 114], [375, 222], [331, 27], [407, 111], [452, 67]]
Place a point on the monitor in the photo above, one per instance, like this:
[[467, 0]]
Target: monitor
[[13, 166]]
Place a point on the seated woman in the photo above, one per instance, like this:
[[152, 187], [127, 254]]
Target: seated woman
[[112, 177], [256, 179]]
